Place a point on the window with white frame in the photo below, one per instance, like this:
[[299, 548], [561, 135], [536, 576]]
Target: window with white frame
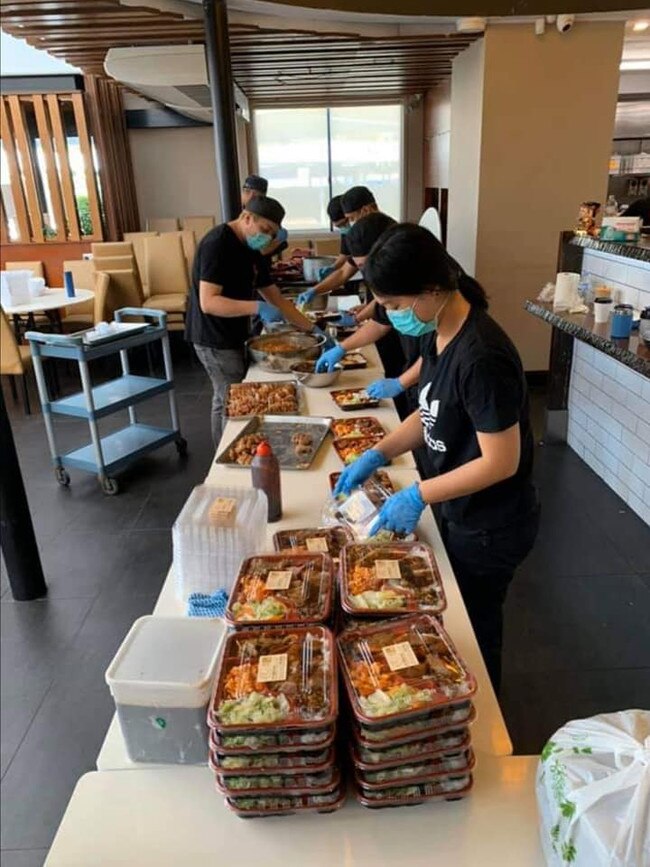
[[309, 155]]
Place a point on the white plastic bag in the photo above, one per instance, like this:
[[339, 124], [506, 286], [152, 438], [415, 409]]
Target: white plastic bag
[[593, 792], [547, 294]]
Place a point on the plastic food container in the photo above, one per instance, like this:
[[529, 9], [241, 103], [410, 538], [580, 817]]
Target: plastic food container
[[282, 588], [271, 763], [207, 556], [437, 746], [452, 789], [400, 669], [379, 477], [356, 428], [329, 540], [424, 771], [280, 784], [358, 512], [351, 448], [277, 681], [351, 399], [161, 697], [286, 805], [455, 719], [297, 741], [393, 578]]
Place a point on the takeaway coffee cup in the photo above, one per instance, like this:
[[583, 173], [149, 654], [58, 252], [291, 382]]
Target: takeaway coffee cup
[[602, 309]]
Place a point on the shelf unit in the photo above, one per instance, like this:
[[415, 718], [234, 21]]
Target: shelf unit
[[107, 455]]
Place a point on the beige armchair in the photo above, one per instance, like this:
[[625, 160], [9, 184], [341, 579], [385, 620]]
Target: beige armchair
[[35, 267], [15, 360], [199, 225], [188, 240], [168, 277], [162, 224], [108, 249], [126, 289], [138, 240], [102, 306]]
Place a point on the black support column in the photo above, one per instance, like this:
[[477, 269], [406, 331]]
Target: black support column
[[19, 546], [217, 56]]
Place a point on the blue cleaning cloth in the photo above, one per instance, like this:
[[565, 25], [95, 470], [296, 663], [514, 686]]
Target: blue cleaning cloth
[[207, 605]]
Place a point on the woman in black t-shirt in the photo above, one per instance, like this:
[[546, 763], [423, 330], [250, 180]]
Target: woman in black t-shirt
[[473, 418]]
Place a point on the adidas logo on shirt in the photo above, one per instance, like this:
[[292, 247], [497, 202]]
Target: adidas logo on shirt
[[429, 415]]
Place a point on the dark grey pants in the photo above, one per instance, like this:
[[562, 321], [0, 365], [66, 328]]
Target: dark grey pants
[[223, 366]]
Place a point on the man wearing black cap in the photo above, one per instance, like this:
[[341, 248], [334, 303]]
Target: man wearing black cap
[[351, 206], [227, 275], [254, 185]]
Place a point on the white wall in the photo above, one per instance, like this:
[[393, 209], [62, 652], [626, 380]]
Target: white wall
[[437, 135], [465, 154]]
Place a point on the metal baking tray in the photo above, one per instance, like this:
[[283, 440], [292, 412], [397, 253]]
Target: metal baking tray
[[278, 430], [300, 397]]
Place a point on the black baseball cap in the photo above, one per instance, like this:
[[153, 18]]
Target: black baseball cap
[[356, 198], [335, 210], [257, 183], [362, 236], [270, 209]]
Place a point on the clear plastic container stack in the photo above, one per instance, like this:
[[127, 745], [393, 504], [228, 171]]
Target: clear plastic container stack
[[410, 700], [272, 720], [207, 555]]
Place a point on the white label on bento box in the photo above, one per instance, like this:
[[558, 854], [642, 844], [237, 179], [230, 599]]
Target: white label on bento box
[[317, 545], [387, 570], [399, 656], [272, 667], [279, 579]]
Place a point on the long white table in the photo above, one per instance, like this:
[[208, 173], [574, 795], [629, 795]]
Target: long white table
[[132, 813]]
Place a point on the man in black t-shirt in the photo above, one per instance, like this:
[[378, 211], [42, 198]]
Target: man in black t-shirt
[[227, 275]]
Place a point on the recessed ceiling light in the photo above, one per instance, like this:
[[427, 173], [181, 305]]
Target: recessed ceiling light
[[640, 26]]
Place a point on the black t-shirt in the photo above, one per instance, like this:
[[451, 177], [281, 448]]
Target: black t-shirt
[[345, 250], [221, 258], [476, 384], [410, 345]]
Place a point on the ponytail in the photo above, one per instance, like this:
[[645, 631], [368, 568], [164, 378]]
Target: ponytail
[[408, 260]]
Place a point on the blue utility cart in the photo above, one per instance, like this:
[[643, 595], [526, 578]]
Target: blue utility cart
[[109, 454]]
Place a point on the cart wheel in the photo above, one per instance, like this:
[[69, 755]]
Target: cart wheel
[[110, 486], [62, 477], [181, 446]]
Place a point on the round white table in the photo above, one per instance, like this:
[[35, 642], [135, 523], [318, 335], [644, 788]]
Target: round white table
[[52, 299]]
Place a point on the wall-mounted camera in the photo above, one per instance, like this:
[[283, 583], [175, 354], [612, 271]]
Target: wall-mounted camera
[[564, 23]]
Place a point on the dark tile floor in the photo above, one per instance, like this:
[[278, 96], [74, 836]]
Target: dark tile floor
[[576, 616]]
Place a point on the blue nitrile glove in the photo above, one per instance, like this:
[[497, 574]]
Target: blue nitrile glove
[[385, 388], [330, 359], [359, 471], [325, 272], [306, 297], [401, 512], [345, 320], [269, 312], [329, 341]]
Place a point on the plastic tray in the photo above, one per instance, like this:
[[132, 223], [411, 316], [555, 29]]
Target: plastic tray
[[354, 361], [272, 763], [335, 538], [391, 578], [356, 428], [287, 806], [281, 784], [279, 431], [351, 448], [298, 689], [417, 728], [262, 743], [282, 588], [425, 771], [263, 403], [416, 795], [410, 661], [340, 395]]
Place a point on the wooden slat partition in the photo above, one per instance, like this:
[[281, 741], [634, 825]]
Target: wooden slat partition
[[50, 166], [22, 144], [14, 174], [89, 170], [74, 233]]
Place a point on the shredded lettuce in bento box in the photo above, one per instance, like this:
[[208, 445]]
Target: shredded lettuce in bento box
[[254, 708], [400, 698]]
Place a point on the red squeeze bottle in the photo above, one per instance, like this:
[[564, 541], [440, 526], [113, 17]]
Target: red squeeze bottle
[[266, 477]]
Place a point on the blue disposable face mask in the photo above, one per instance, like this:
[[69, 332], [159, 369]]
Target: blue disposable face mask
[[407, 322], [342, 230], [259, 240]]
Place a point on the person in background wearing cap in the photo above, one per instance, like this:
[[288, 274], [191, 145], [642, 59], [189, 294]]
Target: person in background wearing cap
[[354, 204], [227, 274], [254, 185]]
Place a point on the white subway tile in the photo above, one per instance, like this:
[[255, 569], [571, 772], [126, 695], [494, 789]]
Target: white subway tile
[[642, 471], [625, 417], [643, 432], [636, 445], [632, 481], [646, 391], [638, 277], [644, 299], [630, 379], [578, 417], [641, 508], [626, 457]]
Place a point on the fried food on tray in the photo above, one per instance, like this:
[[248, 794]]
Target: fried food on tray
[[260, 398], [243, 451], [353, 398], [303, 443]]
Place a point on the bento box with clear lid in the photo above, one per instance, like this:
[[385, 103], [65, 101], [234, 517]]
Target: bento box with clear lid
[[432, 747], [286, 805], [420, 771], [402, 669], [359, 510], [282, 589], [447, 721], [326, 540], [271, 763], [281, 681], [390, 578], [450, 789], [295, 741], [279, 784]]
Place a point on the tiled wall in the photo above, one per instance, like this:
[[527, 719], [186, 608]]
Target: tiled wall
[[609, 404]]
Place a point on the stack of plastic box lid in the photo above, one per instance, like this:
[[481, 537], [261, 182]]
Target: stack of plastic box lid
[[272, 720], [208, 549], [409, 694]]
